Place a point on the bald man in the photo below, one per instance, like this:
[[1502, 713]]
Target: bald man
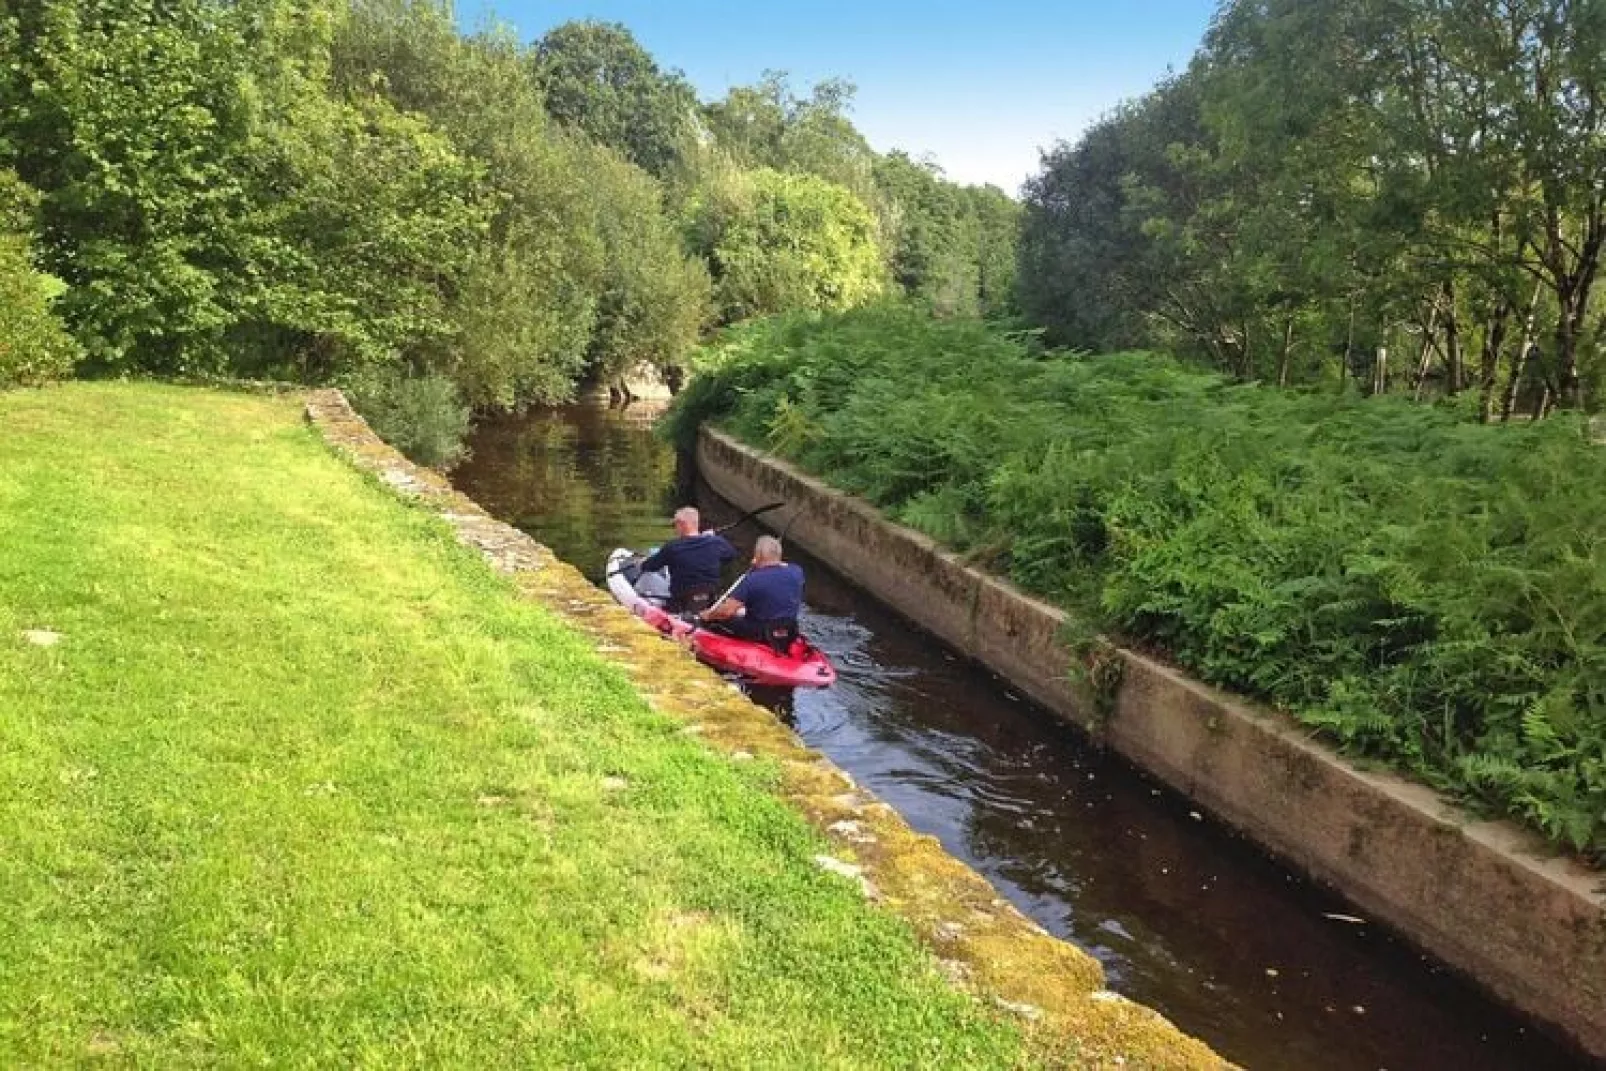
[[694, 559], [768, 599]]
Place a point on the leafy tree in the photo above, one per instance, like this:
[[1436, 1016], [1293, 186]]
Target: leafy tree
[[132, 119], [361, 262], [597, 78], [1093, 269], [952, 246], [936, 240], [777, 242], [998, 225], [581, 271], [653, 299], [1381, 188], [525, 306], [770, 126], [355, 190]]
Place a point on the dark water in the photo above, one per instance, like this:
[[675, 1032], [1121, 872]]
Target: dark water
[[1185, 917]]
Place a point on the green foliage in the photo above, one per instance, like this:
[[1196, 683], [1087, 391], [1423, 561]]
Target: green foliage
[[320, 190], [778, 242], [653, 299], [423, 416], [770, 126], [1092, 270], [949, 246], [526, 292], [1404, 193], [579, 270], [596, 77], [954, 246], [363, 261], [132, 122], [1419, 587], [34, 347]]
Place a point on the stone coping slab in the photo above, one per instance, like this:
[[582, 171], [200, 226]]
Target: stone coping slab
[[981, 941], [1487, 898]]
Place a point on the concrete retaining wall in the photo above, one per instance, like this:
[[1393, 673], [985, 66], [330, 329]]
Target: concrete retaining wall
[[1487, 898]]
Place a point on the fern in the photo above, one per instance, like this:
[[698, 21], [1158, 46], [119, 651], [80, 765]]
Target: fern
[[1416, 587]]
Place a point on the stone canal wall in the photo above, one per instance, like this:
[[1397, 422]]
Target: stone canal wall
[[976, 937], [1485, 897]]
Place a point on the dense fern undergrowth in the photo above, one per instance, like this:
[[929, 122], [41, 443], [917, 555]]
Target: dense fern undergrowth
[[1420, 588]]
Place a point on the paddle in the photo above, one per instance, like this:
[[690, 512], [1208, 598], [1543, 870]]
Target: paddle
[[728, 591], [743, 519]]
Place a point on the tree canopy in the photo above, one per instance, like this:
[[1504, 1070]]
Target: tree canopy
[[778, 241], [1404, 193], [597, 78], [350, 189]]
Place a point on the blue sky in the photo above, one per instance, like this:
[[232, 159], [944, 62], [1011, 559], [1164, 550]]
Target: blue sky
[[981, 86]]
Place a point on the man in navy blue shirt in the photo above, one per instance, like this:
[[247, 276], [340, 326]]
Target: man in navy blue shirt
[[694, 559], [768, 598]]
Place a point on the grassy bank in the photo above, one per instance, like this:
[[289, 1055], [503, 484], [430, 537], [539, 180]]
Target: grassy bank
[[1418, 587], [299, 781]]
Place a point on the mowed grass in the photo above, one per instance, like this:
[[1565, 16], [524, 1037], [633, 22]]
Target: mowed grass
[[303, 783]]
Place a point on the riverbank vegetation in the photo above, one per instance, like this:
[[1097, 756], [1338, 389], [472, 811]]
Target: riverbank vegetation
[[1416, 586], [1405, 193], [287, 776], [357, 191]]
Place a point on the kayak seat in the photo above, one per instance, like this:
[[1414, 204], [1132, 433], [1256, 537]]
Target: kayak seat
[[782, 637]]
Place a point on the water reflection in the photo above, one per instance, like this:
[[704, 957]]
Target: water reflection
[[581, 479]]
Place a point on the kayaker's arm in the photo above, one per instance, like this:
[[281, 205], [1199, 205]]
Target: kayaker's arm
[[727, 609]]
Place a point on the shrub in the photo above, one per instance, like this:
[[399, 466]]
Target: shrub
[[34, 347], [423, 416], [781, 241]]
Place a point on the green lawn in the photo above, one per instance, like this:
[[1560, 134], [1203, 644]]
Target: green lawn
[[303, 783]]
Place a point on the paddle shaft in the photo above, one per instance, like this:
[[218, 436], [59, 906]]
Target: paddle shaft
[[744, 518]]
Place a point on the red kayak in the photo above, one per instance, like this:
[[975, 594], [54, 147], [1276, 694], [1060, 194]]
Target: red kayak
[[802, 666]]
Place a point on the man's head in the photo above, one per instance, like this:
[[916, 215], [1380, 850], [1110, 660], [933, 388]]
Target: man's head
[[767, 551], [687, 522]]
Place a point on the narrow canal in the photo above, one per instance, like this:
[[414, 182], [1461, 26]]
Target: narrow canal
[[1272, 972]]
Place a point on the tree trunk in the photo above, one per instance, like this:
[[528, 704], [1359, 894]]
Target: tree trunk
[[1494, 336], [1519, 364], [1494, 330], [1427, 350], [1541, 407], [1454, 373], [1571, 392], [1572, 272], [1282, 358], [1380, 371], [1519, 361], [1349, 347]]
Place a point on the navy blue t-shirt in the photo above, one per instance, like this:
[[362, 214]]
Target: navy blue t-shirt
[[773, 593], [694, 562]]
